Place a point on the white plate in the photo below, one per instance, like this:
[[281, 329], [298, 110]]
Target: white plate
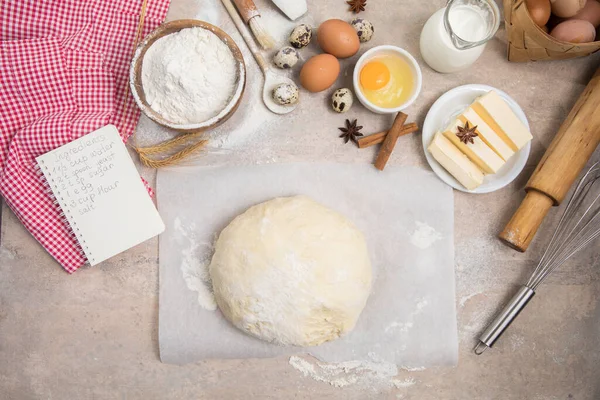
[[448, 107]]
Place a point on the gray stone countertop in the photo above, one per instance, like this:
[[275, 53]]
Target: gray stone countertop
[[94, 335]]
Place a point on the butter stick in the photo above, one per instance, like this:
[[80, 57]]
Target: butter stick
[[455, 162], [479, 152], [501, 118]]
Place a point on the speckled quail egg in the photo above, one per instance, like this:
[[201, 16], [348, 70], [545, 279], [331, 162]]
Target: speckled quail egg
[[286, 94], [301, 36], [364, 29], [342, 100], [287, 57]]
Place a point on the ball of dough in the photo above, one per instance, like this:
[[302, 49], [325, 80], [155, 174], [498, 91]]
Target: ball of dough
[[285, 58], [286, 94], [292, 272], [364, 29], [301, 36], [342, 100]]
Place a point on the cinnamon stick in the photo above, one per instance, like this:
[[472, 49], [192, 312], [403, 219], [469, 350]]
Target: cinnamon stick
[[377, 138], [390, 141]]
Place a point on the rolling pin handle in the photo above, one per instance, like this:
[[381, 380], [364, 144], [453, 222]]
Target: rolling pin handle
[[565, 158], [526, 221]]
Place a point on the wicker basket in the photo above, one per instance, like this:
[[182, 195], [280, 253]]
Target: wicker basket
[[528, 42]]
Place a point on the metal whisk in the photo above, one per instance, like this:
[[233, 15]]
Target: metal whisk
[[578, 227]]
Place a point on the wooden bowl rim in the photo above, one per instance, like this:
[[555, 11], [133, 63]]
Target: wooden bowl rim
[[135, 75], [584, 47]]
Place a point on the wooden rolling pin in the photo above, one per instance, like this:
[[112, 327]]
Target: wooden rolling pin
[[568, 153]]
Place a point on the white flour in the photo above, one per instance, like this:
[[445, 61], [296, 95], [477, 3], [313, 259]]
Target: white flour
[[413, 369], [194, 268], [424, 236], [516, 341], [464, 299], [404, 383], [189, 76], [373, 375], [279, 27], [475, 325], [252, 121], [397, 327], [209, 11]]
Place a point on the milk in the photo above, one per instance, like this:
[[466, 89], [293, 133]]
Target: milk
[[438, 49]]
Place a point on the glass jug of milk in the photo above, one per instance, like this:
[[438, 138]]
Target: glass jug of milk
[[454, 37]]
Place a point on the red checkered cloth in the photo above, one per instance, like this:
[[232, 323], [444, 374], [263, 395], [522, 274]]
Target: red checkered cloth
[[64, 69]]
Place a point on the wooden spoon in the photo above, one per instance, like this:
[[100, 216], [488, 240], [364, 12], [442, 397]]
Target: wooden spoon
[[272, 79]]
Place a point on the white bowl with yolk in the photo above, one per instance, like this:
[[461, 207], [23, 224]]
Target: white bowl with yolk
[[383, 88]]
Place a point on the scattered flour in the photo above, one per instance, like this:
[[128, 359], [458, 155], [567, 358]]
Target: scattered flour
[[516, 341], [194, 268], [278, 26], [373, 374], [413, 369], [420, 306], [209, 11], [557, 359], [464, 299], [513, 234], [477, 323], [424, 236], [402, 327], [404, 383]]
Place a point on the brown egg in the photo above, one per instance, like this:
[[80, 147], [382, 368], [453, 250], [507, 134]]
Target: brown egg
[[319, 73], [539, 11], [567, 8], [590, 13], [574, 31], [338, 38]]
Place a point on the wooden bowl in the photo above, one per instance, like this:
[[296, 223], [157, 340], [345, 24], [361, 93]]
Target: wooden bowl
[[137, 89], [528, 42]]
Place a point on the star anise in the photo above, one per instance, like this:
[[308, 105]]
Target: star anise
[[357, 6], [467, 133], [350, 132]]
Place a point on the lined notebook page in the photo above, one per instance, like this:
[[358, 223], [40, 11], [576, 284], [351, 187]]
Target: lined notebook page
[[101, 194]]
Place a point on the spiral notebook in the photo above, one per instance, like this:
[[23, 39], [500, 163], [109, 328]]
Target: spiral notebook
[[101, 194]]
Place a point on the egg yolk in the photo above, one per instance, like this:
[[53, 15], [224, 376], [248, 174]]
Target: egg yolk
[[387, 81], [374, 75]]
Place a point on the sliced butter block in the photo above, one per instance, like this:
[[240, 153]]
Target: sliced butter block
[[455, 162], [487, 134], [479, 152], [501, 118]]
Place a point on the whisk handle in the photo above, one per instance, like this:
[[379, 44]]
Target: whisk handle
[[503, 320]]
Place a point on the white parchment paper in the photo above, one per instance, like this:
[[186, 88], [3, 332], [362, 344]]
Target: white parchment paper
[[406, 215]]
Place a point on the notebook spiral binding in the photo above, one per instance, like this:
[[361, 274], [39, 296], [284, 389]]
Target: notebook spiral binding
[[80, 244]]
